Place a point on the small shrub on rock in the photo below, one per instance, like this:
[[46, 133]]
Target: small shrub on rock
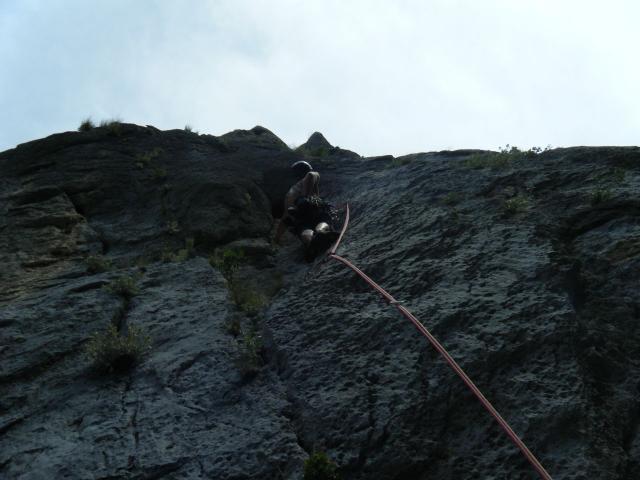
[[98, 264], [144, 159], [183, 254], [86, 125], [113, 126], [233, 326], [186, 252], [167, 256], [109, 351], [452, 198], [503, 158], [600, 195], [173, 227], [250, 356], [247, 299], [158, 173], [516, 204], [124, 286], [320, 467], [488, 160], [319, 152], [227, 261]]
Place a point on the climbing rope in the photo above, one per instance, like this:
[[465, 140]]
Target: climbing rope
[[535, 463]]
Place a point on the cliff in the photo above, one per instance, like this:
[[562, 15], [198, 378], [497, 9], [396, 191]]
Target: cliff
[[525, 265]]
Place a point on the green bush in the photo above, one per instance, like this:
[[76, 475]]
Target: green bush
[[600, 195], [319, 152], [181, 255], [113, 126], [455, 215], [124, 286], [250, 355], [186, 252], [247, 299], [452, 198], [86, 125], [144, 159], [227, 261], [320, 467], [502, 158], [109, 351], [158, 173], [167, 256], [488, 160], [173, 227], [97, 264], [233, 326], [516, 204]]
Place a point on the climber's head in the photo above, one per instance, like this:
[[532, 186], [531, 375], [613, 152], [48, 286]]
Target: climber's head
[[300, 169]]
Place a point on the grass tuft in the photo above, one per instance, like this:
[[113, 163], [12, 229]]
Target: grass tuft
[[452, 198], [320, 467], [233, 326], [183, 254], [109, 351], [97, 264], [173, 227], [227, 261], [158, 173], [503, 158], [250, 354], [599, 196], [516, 204], [124, 286], [247, 299], [86, 125], [113, 126], [144, 159]]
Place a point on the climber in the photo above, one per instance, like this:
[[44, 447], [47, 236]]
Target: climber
[[306, 214], [307, 185]]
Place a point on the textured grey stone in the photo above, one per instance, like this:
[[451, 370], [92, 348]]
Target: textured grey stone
[[540, 308]]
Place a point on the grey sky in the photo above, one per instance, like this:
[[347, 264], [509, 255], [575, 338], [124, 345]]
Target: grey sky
[[376, 77]]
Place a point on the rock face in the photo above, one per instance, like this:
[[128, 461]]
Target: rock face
[[320, 149], [316, 140], [525, 267]]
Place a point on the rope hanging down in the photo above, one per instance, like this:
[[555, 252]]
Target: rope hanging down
[[535, 463]]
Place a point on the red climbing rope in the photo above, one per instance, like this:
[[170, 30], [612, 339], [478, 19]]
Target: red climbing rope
[[535, 463]]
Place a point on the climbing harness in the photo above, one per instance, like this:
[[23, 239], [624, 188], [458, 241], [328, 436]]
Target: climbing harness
[[535, 463]]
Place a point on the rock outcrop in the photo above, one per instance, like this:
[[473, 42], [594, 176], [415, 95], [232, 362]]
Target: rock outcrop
[[319, 148], [525, 266]]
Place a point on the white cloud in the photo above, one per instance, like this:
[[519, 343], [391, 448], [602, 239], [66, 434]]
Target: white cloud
[[374, 76]]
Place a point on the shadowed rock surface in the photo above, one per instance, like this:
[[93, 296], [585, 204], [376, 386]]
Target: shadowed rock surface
[[525, 267]]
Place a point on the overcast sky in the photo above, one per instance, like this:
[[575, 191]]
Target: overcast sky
[[377, 77]]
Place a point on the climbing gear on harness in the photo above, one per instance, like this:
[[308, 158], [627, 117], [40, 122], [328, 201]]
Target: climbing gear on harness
[[313, 220], [535, 463]]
